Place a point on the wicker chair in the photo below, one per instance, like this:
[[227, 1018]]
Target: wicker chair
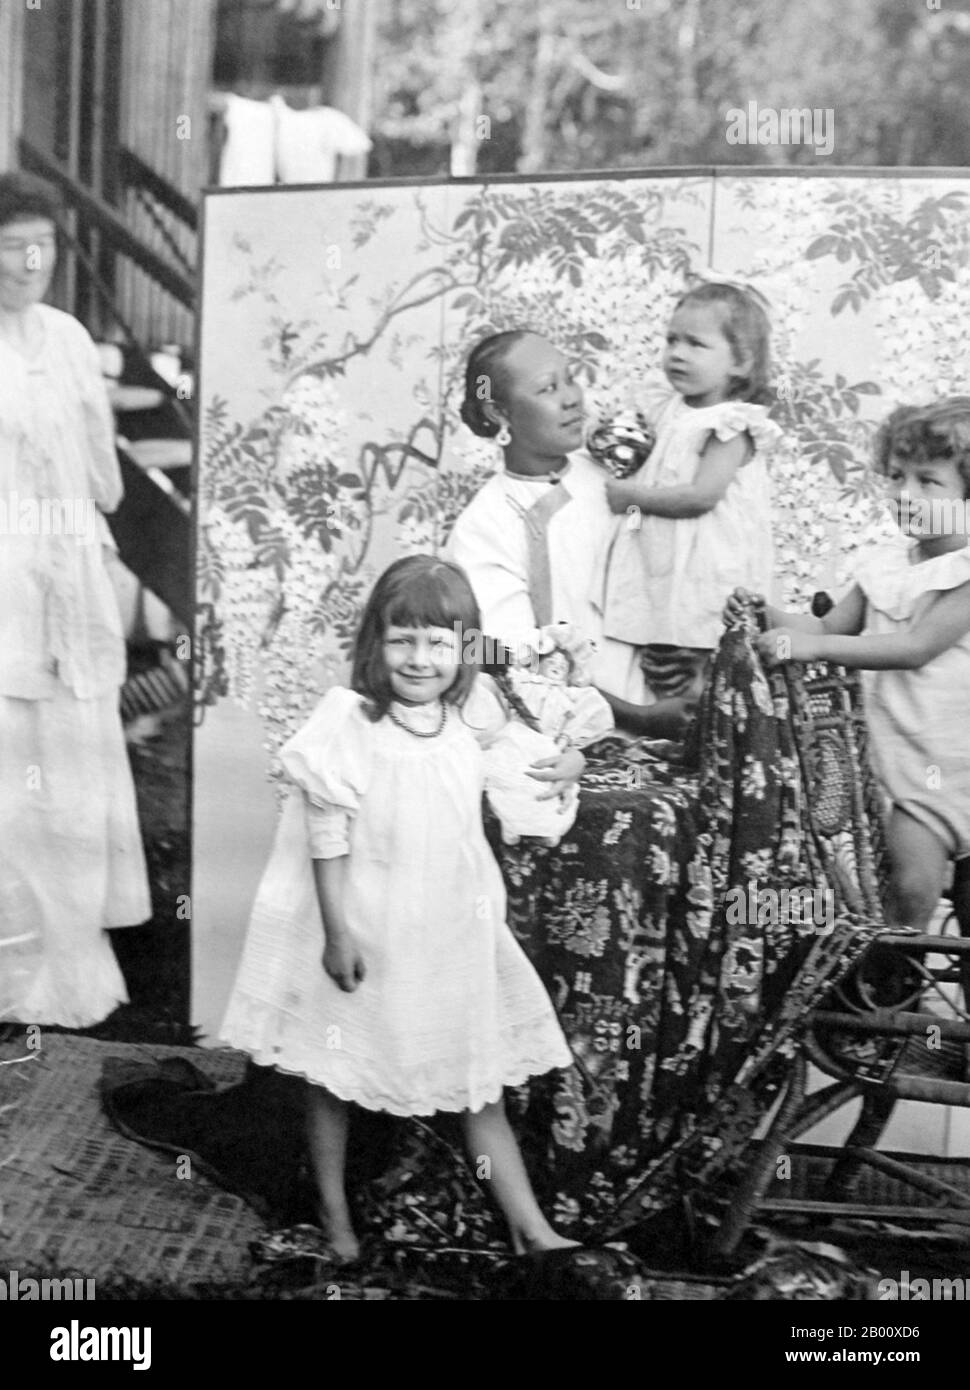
[[896, 1027]]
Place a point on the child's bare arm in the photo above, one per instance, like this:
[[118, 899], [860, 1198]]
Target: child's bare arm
[[342, 958], [944, 622], [719, 462], [329, 876], [562, 770], [848, 615]]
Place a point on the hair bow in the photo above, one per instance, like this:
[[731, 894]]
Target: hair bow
[[707, 275]]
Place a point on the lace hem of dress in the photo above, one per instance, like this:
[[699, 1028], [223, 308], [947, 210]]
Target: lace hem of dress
[[525, 1050], [54, 998]]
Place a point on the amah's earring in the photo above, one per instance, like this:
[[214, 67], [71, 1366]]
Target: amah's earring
[[504, 437]]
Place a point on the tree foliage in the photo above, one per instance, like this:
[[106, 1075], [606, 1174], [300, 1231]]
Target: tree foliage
[[566, 84]]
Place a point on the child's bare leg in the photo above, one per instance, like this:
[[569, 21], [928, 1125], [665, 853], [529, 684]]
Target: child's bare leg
[[495, 1153], [918, 862], [328, 1120]]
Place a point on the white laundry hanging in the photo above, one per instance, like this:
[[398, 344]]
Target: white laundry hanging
[[249, 154], [309, 142]]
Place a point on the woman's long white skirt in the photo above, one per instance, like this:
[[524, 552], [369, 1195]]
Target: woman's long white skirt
[[71, 858]]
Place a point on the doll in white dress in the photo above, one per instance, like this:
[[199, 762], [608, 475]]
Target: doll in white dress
[[559, 708], [423, 999], [556, 685], [512, 794]]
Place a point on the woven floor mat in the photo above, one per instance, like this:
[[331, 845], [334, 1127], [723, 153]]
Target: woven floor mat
[[78, 1198]]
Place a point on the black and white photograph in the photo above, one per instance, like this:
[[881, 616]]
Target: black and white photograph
[[485, 664]]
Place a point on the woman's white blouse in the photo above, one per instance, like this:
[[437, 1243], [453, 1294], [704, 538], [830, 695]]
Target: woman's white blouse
[[59, 619], [532, 549]]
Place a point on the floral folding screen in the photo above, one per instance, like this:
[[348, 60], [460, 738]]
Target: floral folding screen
[[335, 324]]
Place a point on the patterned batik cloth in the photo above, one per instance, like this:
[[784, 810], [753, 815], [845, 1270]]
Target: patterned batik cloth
[[673, 672], [681, 1010]]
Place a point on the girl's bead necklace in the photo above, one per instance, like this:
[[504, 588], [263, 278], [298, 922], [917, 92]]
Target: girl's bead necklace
[[419, 733]]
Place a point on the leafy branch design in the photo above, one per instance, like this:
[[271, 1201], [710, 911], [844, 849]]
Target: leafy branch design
[[888, 249], [824, 416]]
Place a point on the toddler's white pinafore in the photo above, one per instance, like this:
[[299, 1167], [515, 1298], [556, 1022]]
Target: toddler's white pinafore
[[451, 1010], [667, 579], [919, 720]]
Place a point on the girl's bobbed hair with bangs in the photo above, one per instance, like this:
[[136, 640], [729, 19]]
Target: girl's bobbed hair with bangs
[[927, 432], [745, 324], [417, 591]]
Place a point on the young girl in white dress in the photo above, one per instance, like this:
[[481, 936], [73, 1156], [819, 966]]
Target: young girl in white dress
[[378, 963], [906, 622], [697, 520]]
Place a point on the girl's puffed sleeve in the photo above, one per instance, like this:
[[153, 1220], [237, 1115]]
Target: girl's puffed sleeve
[[742, 417], [895, 586], [329, 759]]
